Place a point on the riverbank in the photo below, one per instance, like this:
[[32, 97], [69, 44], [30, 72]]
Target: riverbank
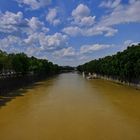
[[122, 67], [9, 86], [134, 85]]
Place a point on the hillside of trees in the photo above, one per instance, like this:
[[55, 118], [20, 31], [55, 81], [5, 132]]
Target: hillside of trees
[[21, 64], [124, 66]]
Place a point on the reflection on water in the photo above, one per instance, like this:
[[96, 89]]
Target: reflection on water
[[69, 107]]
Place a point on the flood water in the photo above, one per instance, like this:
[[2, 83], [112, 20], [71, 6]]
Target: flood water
[[69, 107]]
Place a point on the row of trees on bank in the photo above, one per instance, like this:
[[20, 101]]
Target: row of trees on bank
[[124, 66], [22, 64]]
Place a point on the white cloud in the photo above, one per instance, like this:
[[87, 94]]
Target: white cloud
[[93, 47], [12, 44], [47, 42], [9, 41], [128, 42], [99, 30], [110, 32], [52, 17], [81, 11], [34, 4], [110, 3], [65, 52], [11, 18], [81, 16], [31, 35], [87, 21], [95, 30], [10, 22], [15, 22], [35, 44], [36, 25], [132, 1], [85, 53], [72, 30], [32, 39], [121, 14], [51, 42], [33, 51]]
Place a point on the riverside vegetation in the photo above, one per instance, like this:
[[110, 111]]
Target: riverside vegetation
[[123, 66], [21, 64], [18, 70]]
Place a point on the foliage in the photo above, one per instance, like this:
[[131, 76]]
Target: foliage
[[22, 64], [67, 68], [124, 65]]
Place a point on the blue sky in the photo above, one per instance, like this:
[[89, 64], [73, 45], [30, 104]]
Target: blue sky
[[68, 32]]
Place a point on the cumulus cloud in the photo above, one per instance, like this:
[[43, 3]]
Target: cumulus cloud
[[82, 53], [93, 47], [96, 30], [12, 44], [110, 3], [81, 11], [36, 25], [34, 44], [128, 43], [85, 53], [9, 41], [28, 35], [99, 30], [52, 17], [15, 22], [81, 16], [65, 52], [10, 22], [51, 42], [32, 39], [121, 14], [47, 42], [34, 4], [72, 30]]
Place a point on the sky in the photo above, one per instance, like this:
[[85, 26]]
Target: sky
[[68, 32]]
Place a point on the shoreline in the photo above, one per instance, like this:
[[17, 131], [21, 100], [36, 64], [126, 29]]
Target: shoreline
[[14, 86], [134, 85]]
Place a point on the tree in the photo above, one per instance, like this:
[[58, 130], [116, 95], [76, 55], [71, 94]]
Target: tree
[[124, 66]]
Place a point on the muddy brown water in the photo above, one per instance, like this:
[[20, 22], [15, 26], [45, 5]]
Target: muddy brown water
[[69, 107]]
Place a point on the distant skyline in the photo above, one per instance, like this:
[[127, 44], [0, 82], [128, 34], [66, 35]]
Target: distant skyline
[[68, 32]]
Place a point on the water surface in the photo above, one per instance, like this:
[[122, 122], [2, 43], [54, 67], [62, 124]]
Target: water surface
[[69, 107]]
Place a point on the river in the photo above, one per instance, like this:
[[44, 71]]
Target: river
[[69, 107]]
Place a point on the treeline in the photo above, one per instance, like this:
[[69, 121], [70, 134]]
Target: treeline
[[67, 68], [21, 64], [124, 66]]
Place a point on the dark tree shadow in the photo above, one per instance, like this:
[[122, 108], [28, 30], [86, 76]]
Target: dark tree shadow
[[13, 87]]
